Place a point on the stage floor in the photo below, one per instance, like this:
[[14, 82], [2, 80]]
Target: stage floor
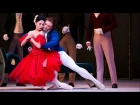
[[80, 86]]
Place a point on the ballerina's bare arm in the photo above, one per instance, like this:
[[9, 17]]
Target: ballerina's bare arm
[[37, 44], [30, 35]]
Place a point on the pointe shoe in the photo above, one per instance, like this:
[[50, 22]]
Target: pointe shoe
[[66, 86], [43, 87], [99, 85], [54, 87]]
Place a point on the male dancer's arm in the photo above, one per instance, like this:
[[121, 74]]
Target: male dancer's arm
[[53, 42]]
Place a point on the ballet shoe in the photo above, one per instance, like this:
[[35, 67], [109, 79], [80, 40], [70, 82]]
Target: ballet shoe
[[66, 86], [43, 87], [54, 87], [99, 85]]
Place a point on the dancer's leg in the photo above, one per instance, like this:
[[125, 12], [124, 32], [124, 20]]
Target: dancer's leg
[[98, 51], [61, 84], [109, 54], [68, 44], [69, 62]]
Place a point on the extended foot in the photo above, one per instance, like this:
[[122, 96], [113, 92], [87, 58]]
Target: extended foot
[[66, 86], [99, 85], [54, 87], [44, 87]]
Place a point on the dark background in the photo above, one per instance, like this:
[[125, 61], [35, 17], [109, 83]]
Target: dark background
[[126, 41]]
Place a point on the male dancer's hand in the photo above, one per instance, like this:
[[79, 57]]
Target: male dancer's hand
[[5, 37], [79, 46], [88, 44]]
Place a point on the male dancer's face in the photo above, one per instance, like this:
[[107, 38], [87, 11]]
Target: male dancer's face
[[47, 26]]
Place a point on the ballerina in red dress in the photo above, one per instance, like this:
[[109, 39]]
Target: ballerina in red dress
[[39, 66]]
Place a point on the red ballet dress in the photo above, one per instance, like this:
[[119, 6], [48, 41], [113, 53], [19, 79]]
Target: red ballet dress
[[30, 69]]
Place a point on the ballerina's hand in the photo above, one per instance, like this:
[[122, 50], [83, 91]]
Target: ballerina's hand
[[30, 35], [31, 39]]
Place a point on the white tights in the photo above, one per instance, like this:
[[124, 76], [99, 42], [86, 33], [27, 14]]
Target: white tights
[[69, 62]]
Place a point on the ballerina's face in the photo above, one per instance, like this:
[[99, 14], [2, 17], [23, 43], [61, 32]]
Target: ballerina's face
[[40, 25]]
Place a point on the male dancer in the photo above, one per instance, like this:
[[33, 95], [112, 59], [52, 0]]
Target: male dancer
[[102, 24], [52, 38], [71, 37]]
